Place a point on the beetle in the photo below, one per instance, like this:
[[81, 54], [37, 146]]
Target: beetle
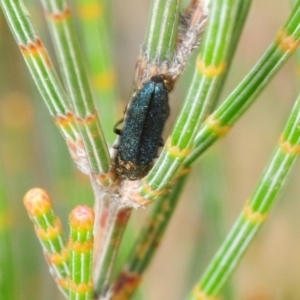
[[140, 136]]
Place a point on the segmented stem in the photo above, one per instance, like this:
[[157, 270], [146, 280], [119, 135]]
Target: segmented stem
[[81, 253], [242, 10], [113, 221], [162, 29], [49, 232], [160, 42]]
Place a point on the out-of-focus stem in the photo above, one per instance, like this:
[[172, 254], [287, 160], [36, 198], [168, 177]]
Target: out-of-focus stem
[[7, 264], [95, 17]]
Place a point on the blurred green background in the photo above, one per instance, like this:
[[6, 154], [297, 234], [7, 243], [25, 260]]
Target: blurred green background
[[33, 154]]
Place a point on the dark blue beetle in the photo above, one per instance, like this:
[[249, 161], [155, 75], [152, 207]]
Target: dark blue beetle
[[144, 122]]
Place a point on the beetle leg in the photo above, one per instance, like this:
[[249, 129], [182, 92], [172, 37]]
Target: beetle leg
[[161, 142], [117, 130]]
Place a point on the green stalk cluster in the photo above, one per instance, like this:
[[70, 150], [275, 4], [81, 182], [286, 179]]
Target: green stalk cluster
[[255, 211], [80, 126], [40, 66], [77, 84], [211, 65], [153, 230], [218, 124]]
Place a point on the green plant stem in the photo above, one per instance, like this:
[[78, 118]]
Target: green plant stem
[[76, 81], [116, 220], [242, 11], [159, 45], [210, 66], [81, 253], [49, 232], [149, 238], [218, 124], [160, 40], [255, 211], [94, 16]]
